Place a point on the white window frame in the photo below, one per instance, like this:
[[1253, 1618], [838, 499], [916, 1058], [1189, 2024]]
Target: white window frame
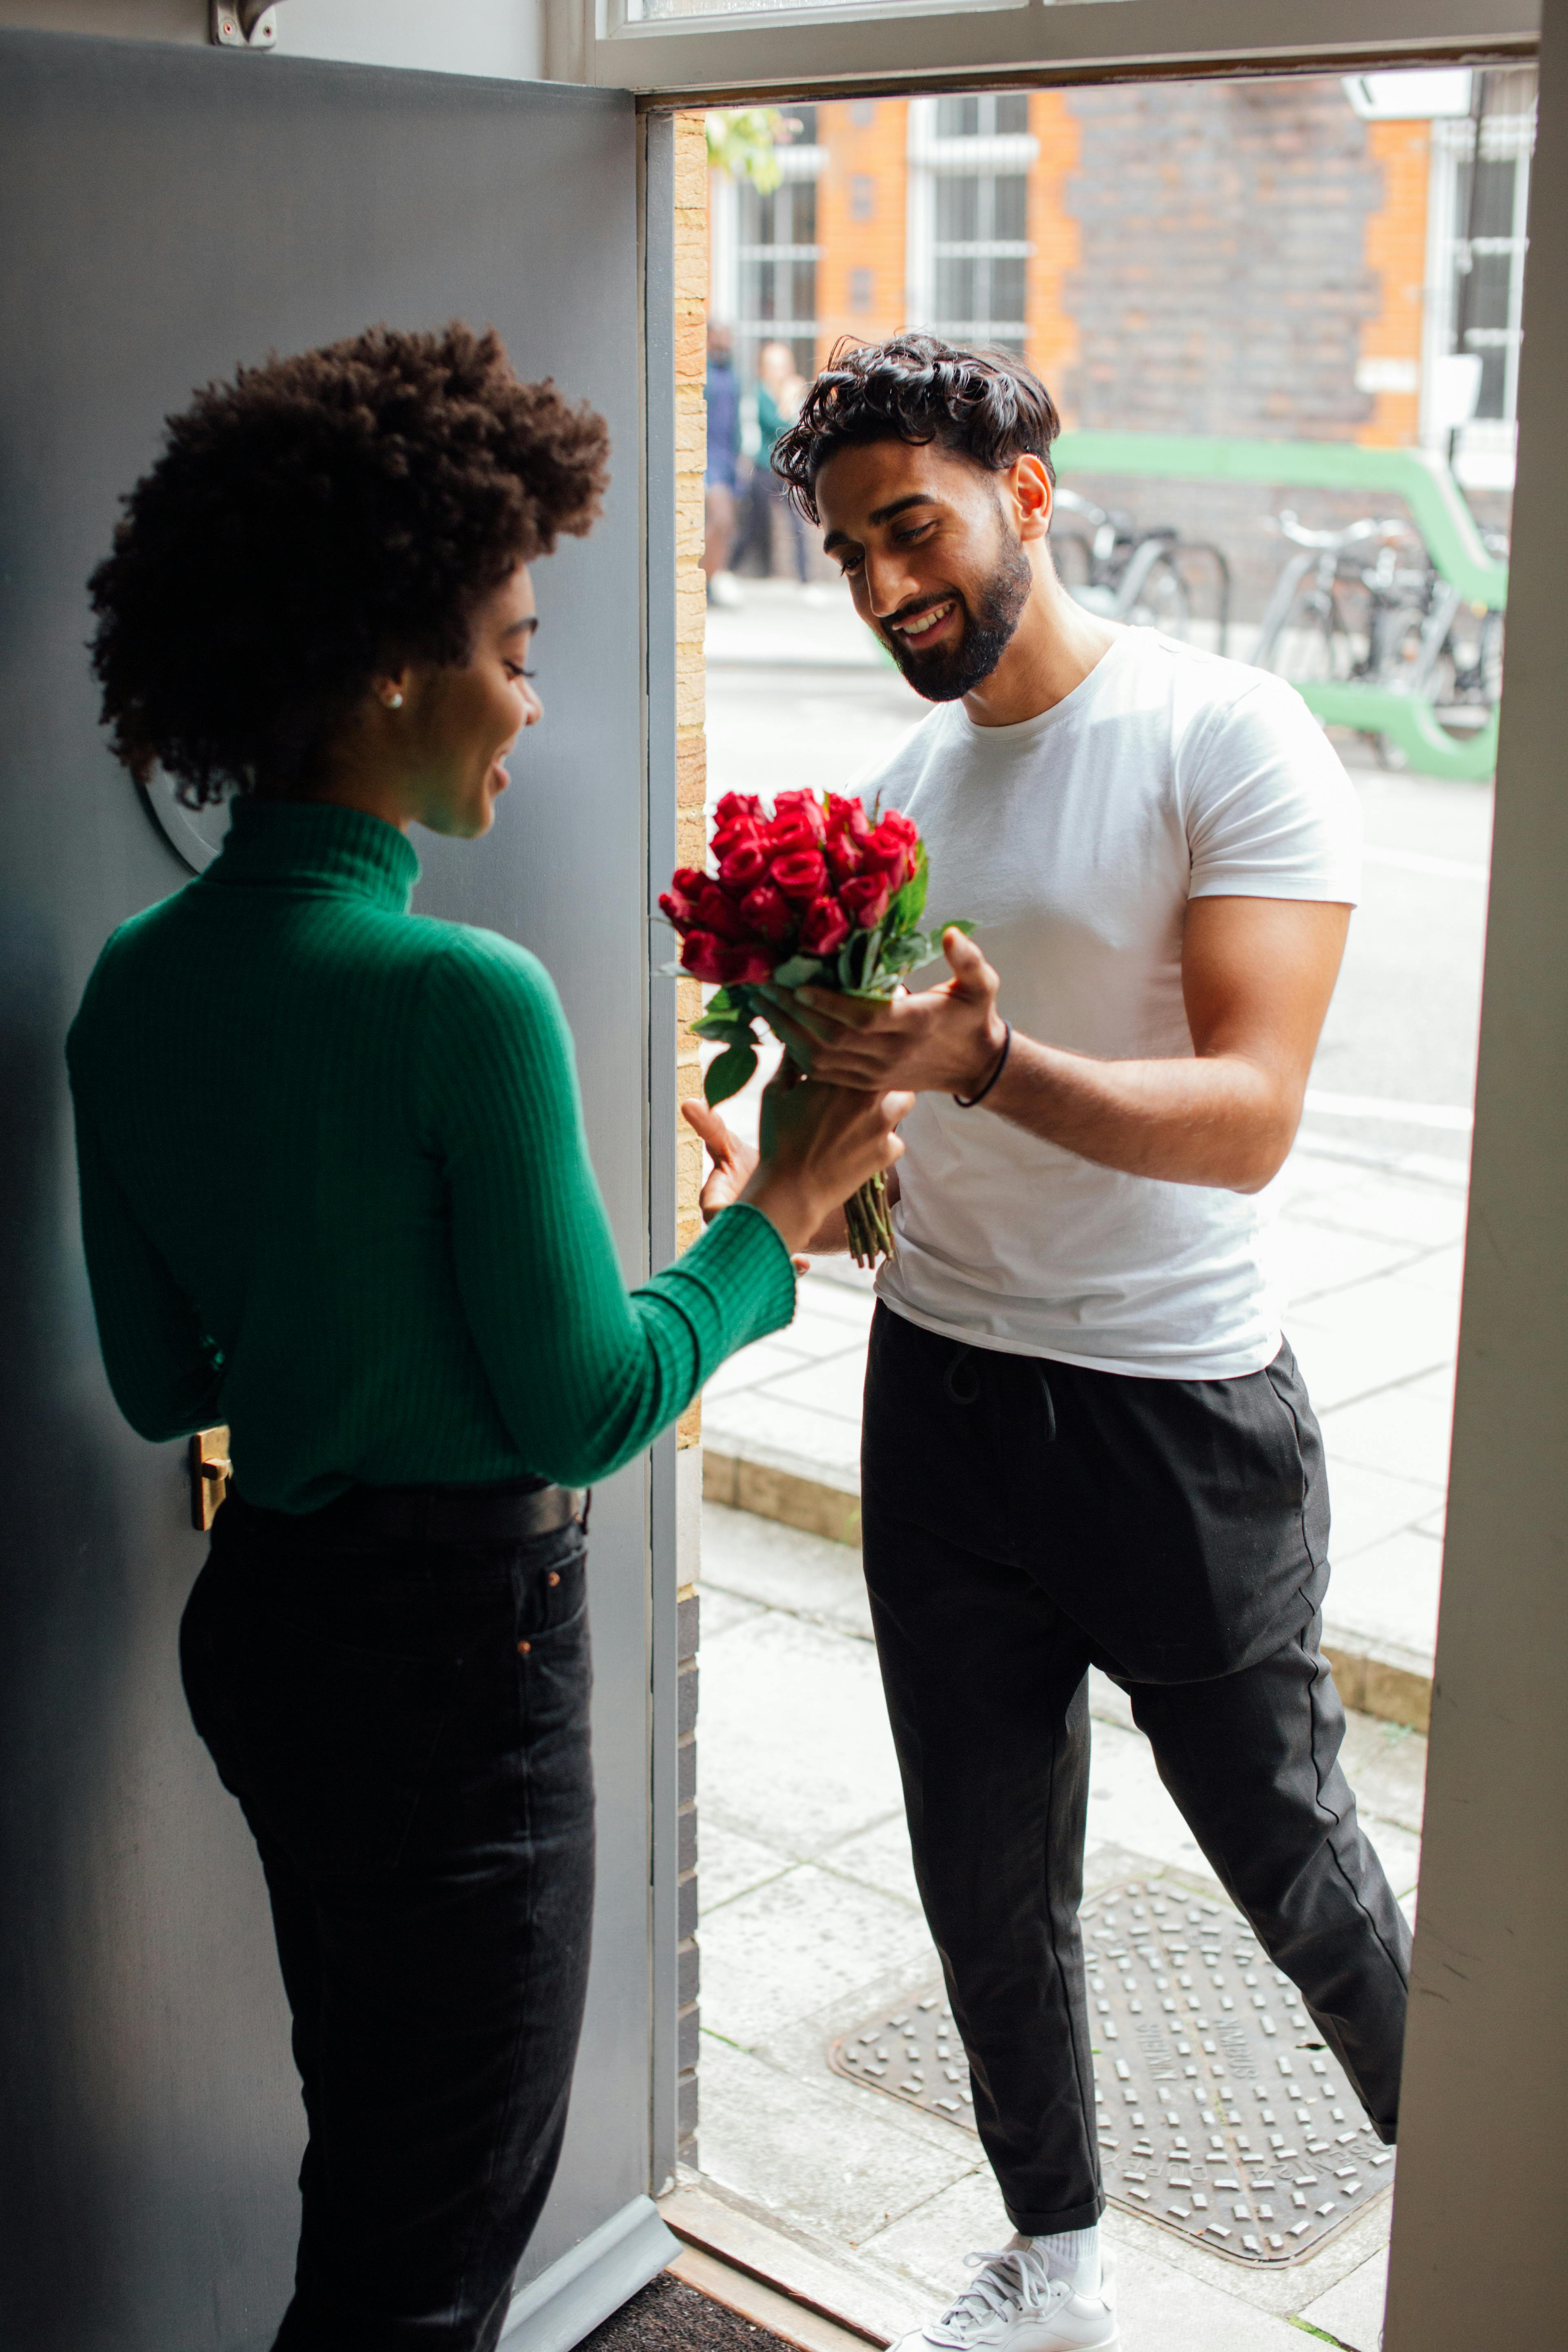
[[898, 46], [728, 253], [1484, 448], [932, 158]]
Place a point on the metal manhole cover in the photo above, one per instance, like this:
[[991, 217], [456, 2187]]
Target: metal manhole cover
[[1220, 2115]]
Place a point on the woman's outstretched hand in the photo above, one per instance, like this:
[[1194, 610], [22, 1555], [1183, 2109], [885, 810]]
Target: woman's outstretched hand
[[818, 1144]]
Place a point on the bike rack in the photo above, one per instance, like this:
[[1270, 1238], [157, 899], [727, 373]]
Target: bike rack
[[1437, 510]]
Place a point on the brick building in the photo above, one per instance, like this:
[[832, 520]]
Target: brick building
[[1296, 259]]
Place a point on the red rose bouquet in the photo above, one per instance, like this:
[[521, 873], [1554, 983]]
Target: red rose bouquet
[[819, 892]]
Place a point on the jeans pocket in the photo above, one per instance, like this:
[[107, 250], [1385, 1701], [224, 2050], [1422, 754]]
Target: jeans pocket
[[327, 1743]]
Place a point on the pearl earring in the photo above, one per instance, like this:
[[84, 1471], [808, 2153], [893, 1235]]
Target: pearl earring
[[394, 702]]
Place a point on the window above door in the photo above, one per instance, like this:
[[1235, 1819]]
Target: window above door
[[707, 49]]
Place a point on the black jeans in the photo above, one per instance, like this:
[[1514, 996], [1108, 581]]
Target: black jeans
[[407, 1729], [1023, 1520]]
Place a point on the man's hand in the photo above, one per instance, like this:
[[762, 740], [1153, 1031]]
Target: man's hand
[[943, 1040]]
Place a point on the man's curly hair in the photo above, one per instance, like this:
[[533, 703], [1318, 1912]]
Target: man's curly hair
[[318, 520], [985, 404]]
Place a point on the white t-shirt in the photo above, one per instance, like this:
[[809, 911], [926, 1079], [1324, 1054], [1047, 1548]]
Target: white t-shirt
[[1074, 841]]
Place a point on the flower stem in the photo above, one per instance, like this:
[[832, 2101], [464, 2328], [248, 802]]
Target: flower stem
[[869, 1223]]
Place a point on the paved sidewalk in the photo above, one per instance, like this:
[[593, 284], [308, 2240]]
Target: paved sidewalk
[[809, 1921]]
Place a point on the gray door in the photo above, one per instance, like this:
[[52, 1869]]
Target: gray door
[[165, 214]]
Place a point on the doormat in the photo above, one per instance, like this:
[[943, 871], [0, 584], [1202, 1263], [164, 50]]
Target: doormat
[[669, 2316], [1221, 2115]]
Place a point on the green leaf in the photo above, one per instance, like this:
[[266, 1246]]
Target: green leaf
[[909, 904], [959, 923], [725, 1028], [798, 971], [729, 1073]]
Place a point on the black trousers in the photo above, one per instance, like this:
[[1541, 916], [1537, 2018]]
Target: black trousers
[[1023, 1520], [407, 1729]]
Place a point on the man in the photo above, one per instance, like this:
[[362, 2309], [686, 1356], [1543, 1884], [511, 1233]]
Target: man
[[1085, 1441], [722, 393]]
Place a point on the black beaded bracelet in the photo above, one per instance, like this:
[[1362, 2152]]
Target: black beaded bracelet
[[967, 1102]]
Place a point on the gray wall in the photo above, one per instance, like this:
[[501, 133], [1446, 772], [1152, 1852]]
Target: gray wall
[[164, 213], [1480, 2248]]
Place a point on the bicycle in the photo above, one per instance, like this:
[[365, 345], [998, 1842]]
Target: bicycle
[[1335, 616], [1140, 577]]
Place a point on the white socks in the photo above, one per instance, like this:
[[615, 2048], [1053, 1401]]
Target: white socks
[[1072, 2255]]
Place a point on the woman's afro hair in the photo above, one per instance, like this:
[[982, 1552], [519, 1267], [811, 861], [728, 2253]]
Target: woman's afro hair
[[986, 405], [318, 520]]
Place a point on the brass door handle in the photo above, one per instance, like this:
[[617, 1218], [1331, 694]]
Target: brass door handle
[[210, 1470]]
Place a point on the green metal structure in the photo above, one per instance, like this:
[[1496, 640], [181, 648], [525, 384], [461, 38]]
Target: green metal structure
[[1437, 508]]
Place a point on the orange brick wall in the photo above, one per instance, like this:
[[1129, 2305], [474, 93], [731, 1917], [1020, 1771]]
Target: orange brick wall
[[1396, 250], [873, 150], [1052, 344]]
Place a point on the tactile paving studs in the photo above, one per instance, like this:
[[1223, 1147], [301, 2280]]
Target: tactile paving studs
[[1220, 2113]]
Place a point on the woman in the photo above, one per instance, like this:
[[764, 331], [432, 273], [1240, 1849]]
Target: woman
[[335, 1193]]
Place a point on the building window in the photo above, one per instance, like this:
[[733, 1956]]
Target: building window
[[861, 285], [763, 253], [1476, 271], [862, 196], [969, 206]]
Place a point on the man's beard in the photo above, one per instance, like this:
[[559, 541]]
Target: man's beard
[[988, 626]]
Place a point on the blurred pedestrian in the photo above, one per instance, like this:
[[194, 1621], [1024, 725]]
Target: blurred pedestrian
[[722, 392], [779, 392]]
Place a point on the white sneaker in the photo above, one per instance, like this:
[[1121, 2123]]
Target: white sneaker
[[1012, 2304]]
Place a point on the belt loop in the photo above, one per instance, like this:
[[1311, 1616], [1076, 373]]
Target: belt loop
[[587, 1507]]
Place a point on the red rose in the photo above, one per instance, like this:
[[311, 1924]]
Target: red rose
[[824, 928], [747, 963], [802, 873], [887, 856], [744, 866], [675, 911], [789, 833], [865, 898], [767, 911], [734, 804], [735, 836], [703, 956], [844, 855], [717, 911], [800, 808], [847, 818], [680, 901]]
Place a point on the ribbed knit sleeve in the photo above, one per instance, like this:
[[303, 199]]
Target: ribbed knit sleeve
[[584, 1373], [165, 1373]]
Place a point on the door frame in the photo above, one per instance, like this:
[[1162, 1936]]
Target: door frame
[[1493, 1908]]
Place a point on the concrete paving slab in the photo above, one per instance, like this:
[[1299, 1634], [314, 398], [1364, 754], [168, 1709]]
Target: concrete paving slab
[[794, 1437], [1393, 1207], [1389, 1593], [1387, 1767], [1439, 1269], [1308, 1259], [835, 1383], [1398, 1850], [878, 1857], [830, 1317], [1281, 2292], [753, 1561], [794, 1747], [1368, 1505], [808, 1936], [764, 1360], [1405, 1430], [1125, 1790], [730, 1863], [721, 1609], [788, 2148], [1351, 2313], [1352, 1343]]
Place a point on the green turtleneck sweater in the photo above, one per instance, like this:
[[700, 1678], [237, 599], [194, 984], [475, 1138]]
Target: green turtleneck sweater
[[335, 1190]]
